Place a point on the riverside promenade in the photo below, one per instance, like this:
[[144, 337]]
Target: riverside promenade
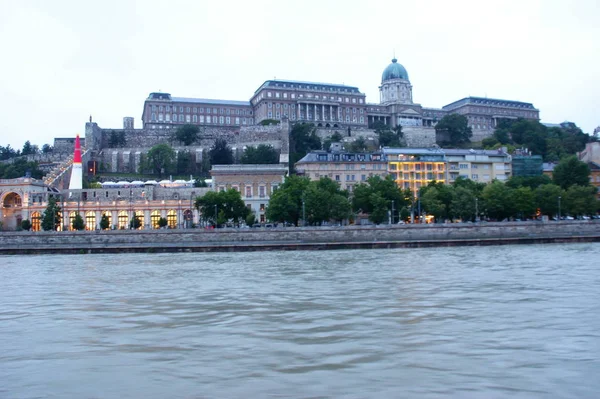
[[294, 238]]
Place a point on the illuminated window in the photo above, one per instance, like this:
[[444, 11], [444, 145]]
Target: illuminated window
[[172, 219]]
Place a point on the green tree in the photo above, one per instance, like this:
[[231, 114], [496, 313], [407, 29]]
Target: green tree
[[497, 200], [220, 153], [46, 148], [580, 200], [388, 137], [104, 222], [324, 201], [187, 134], [547, 197], [161, 159], [532, 182], [250, 219], [571, 171], [51, 216], [223, 206], [303, 139], [19, 168], [262, 154], [362, 198], [285, 204], [8, 152], [267, 122], [162, 222], [185, 163], [489, 143], [78, 223], [444, 194], [463, 203], [431, 204], [26, 224], [135, 222], [379, 212], [523, 202], [27, 148], [358, 145], [456, 127]]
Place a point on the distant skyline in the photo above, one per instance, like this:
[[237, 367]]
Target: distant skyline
[[66, 60]]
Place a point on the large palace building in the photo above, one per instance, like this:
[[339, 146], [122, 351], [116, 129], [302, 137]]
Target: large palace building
[[330, 105]]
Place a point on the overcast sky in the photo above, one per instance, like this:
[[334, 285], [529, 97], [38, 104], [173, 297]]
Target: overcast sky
[[62, 61]]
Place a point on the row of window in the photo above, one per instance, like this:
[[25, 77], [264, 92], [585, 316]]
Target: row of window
[[123, 219], [249, 191], [308, 108], [293, 96], [221, 120], [418, 176], [417, 166], [195, 110]]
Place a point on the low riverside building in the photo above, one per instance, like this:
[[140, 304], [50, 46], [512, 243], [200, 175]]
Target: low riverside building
[[346, 168], [481, 166], [411, 168], [27, 198], [256, 183]]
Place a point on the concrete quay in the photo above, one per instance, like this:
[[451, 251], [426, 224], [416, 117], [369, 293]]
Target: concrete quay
[[292, 238]]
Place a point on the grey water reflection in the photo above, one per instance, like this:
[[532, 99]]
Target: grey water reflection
[[483, 322]]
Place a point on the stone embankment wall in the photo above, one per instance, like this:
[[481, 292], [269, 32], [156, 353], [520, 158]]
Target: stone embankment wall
[[297, 238]]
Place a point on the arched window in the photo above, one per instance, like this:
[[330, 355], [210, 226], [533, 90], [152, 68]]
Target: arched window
[[123, 219], [140, 216], [172, 219], [188, 216], [154, 216], [90, 220], [108, 214], [72, 216], [36, 221]]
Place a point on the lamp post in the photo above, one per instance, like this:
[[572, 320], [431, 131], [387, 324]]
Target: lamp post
[[559, 208], [392, 218], [216, 214], [191, 221], [180, 217], [476, 209], [303, 212]]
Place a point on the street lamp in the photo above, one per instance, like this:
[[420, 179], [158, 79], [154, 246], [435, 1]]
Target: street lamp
[[303, 213], [476, 209], [559, 207], [216, 213], [392, 219]]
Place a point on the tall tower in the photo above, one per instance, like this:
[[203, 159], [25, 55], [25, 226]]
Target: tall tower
[[395, 87], [76, 182]]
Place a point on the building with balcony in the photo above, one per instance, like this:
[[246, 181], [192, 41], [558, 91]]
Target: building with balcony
[[481, 166], [413, 168], [256, 183], [345, 168]]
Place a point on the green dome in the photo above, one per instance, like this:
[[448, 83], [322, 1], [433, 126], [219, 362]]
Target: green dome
[[394, 71]]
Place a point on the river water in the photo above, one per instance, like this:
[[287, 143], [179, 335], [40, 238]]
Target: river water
[[463, 322]]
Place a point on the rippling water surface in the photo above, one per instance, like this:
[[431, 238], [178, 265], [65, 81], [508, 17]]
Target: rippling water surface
[[471, 322]]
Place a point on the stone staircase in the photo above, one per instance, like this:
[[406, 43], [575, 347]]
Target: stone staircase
[[56, 174]]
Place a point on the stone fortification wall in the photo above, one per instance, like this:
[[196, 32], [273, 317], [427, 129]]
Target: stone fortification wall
[[479, 135], [419, 137], [139, 141], [232, 239]]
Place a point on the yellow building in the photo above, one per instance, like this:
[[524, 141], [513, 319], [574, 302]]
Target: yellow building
[[414, 168]]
